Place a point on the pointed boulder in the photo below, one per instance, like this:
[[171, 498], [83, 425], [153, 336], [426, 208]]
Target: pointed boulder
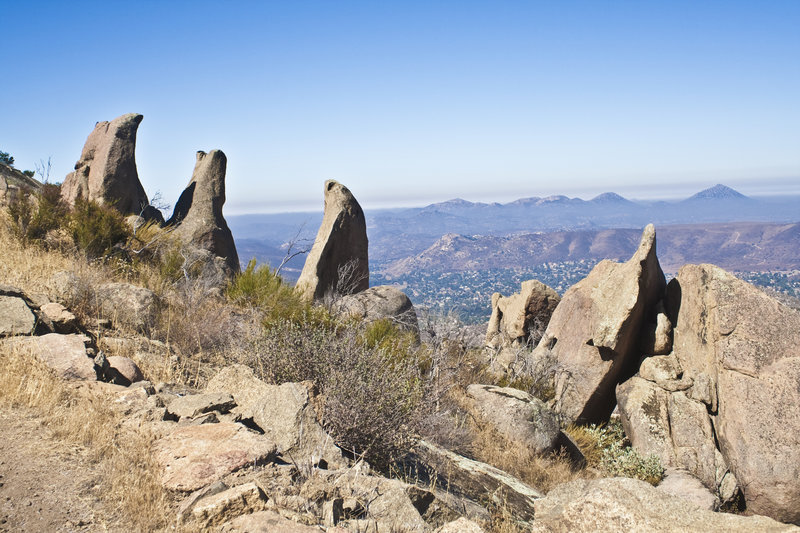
[[338, 261], [197, 218], [595, 330], [106, 172]]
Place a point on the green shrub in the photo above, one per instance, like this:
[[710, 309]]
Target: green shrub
[[262, 288], [97, 229], [606, 447]]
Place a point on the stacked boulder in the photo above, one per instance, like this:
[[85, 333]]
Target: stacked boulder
[[725, 404]]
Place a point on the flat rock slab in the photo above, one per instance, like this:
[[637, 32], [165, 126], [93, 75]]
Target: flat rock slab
[[624, 504], [231, 503], [268, 522], [65, 354], [193, 405], [16, 318], [194, 456]]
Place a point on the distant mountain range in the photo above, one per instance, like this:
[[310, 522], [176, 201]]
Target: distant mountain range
[[398, 235]]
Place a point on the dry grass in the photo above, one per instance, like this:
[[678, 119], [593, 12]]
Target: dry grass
[[129, 476]]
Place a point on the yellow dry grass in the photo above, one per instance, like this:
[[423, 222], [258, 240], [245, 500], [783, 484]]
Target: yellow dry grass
[[129, 475]]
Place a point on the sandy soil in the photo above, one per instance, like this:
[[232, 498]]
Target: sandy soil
[[47, 485]]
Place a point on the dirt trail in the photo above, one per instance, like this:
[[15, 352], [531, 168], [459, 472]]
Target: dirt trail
[[46, 485]]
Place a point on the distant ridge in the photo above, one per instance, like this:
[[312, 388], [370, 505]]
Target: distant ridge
[[718, 192], [610, 198]]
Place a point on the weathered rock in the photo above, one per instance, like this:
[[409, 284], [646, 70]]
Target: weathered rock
[[65, 354], [476, 481], [197, 219], [595, 330], [63, 321], [193, 405], [661, 368], [338, 261], [670, 425], [284, 412], [515, 318], [128, 305], [684, 485], [515, 416], [624, 504], [740, 347], [462, 525], [16, 318], [194, 456], [266, 522], [657, 335], [377, 303], [392, 504], [125, 368], [228, 504], [106, 172]]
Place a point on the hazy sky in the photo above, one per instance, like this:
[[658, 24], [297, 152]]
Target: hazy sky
[[413, 102]]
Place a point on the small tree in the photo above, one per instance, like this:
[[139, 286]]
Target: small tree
[[6, 158]]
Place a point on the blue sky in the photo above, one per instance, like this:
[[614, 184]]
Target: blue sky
[[413, 102]]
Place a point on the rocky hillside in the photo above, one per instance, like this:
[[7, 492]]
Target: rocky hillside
[[182, 401], [738, 246]]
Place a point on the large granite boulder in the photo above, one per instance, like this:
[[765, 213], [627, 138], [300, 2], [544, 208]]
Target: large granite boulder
[[517, 317], [197, 219], [741, 348], [382, 302], [624, 504], [106, 171], [16, 318], [594, 333], [338, 262], [515, 416], [128, 305]]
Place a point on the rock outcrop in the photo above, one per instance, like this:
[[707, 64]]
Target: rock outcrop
[[595, 331], [624, 504], [515, 318], [731, 380], [382, 302], [197, 219], [106, 171], [339, 261]]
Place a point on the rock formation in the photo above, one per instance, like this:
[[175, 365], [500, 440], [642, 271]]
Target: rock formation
[[514, 318], [731, 379], [595, 331], [106, 171], [197, 219], [338, 261], [623, 504], [377, 303]]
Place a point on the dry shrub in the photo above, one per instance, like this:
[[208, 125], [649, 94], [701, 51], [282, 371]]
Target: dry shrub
[[130, 478], [371, 396]]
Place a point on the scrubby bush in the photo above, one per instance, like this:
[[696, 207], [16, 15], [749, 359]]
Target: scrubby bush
[[262, 288], [606, 447], [97, 229], [34, 215], [372, 398]]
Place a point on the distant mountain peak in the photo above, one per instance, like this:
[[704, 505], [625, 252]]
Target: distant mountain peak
[[609, 198], [719, 192]]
